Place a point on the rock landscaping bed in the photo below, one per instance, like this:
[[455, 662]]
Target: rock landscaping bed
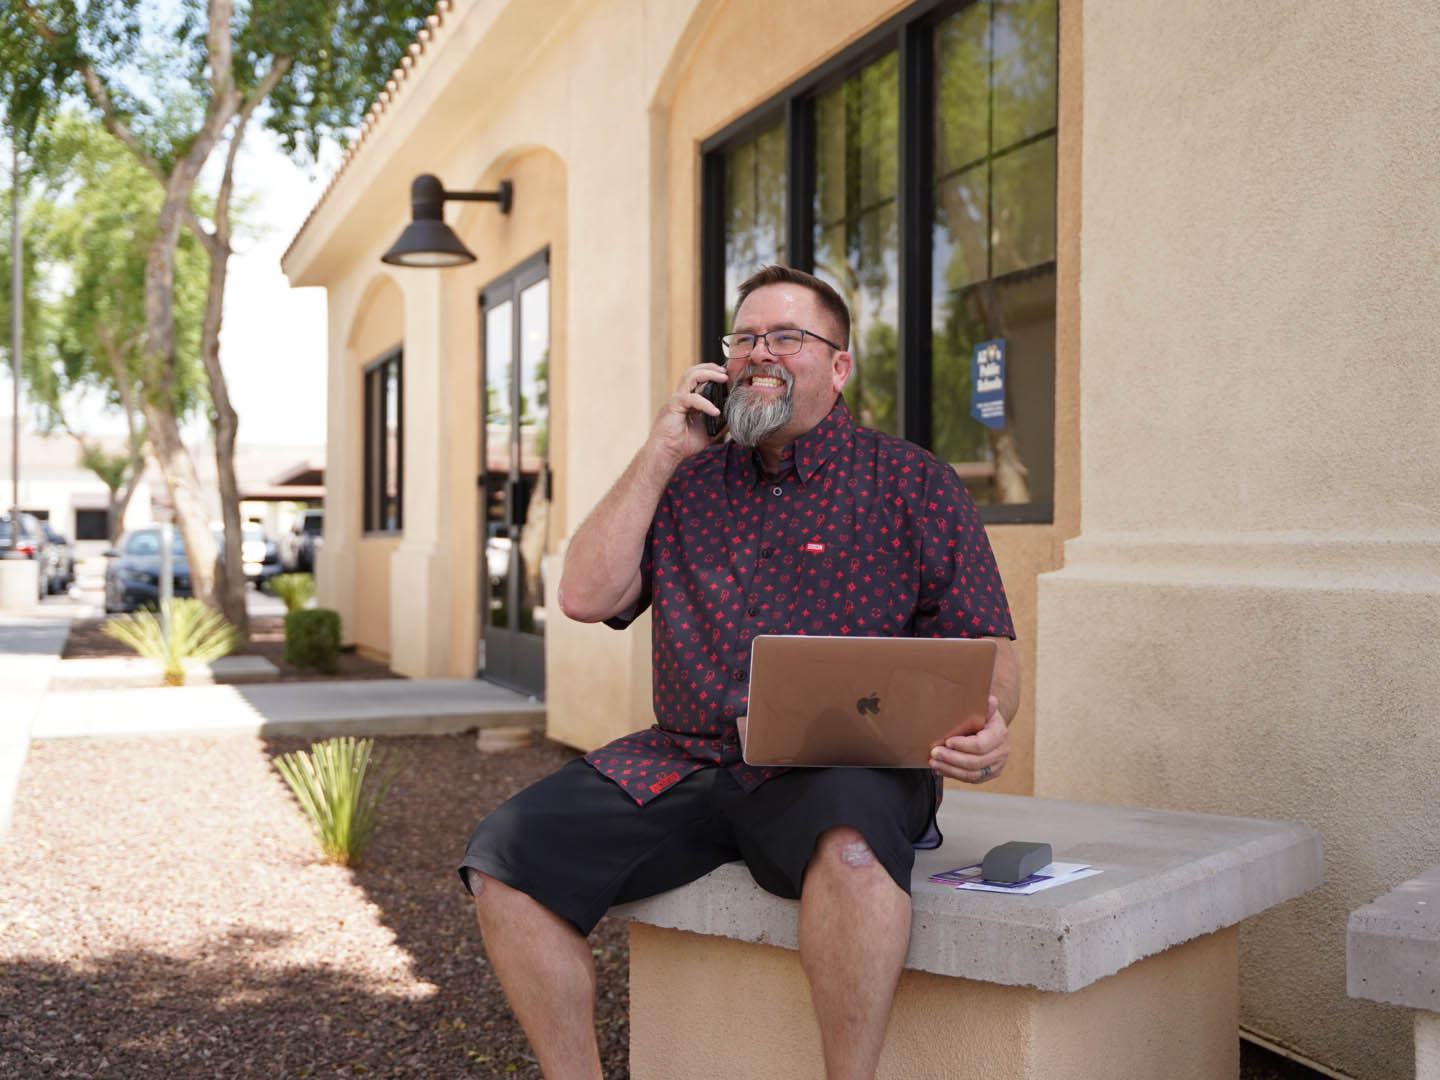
[[164, 912]]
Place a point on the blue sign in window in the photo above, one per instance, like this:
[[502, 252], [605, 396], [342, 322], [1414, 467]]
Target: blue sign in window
[[987, 383]]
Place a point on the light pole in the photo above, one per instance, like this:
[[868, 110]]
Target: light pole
[[16, 337]]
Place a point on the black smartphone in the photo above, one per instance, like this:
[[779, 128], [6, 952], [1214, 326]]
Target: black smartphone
[[715, 393]]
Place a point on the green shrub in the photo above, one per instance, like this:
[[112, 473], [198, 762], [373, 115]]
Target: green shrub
[[296, 590], [196, 633], [330, 783], [312, 638]]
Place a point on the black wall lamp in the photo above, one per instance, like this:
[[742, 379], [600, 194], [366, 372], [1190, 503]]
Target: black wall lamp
[[427, 240]]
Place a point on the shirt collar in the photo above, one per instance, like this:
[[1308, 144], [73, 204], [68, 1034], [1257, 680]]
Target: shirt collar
[[817, 446]]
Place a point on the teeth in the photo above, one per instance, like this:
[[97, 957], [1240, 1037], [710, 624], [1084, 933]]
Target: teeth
[[766, 380]]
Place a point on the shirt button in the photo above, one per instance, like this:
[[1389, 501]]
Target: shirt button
[[766, 552], [753, 612], [777, 490], [739, 676]]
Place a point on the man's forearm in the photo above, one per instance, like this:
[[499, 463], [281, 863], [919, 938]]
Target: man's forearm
[[1005, 683], [601, 577]]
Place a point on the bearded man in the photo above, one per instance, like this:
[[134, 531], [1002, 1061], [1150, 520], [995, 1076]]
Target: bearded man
[[717, 539]]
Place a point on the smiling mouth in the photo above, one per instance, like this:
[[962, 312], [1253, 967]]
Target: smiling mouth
[[766, 380]]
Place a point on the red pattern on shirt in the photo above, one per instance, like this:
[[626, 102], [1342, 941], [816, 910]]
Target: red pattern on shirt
[[859, 533]]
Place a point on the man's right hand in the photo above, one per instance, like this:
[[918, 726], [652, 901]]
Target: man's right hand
[[679, 430]]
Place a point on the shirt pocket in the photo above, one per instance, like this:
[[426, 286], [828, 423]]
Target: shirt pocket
[[855, 593]]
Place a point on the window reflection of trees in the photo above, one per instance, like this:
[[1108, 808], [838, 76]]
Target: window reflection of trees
[[992, 241], [754, 209], [857, 232], [995, 119]]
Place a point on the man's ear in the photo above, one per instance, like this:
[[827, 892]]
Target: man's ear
[[844, 367]]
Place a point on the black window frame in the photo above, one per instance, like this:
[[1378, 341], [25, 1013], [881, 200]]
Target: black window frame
[[910, 34], [376, 455]]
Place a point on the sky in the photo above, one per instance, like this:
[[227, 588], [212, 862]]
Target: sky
[[273, 340]]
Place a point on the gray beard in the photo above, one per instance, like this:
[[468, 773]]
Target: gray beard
[[754, 417]]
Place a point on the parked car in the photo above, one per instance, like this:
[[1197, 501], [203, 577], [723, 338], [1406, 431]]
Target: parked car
[[299, 546], [132, 570], [260, 554], [31, 541], [62, 565]]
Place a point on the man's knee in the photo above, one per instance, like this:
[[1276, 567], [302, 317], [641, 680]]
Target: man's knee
[[843, 847], [476, 881]]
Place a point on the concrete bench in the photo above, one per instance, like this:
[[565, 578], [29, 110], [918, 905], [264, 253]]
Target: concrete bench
[[1132, 973], [1392, 955]]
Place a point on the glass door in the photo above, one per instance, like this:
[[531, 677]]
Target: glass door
[[515, 476]]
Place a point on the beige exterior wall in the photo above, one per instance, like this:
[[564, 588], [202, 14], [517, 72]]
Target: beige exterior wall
[[1171, 1015], [604, 159], [1247, 621], [1250, 594]]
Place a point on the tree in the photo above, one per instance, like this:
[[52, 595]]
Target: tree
[[93, 231], [315, 64]]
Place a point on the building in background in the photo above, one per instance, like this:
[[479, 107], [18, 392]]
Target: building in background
[[276, 481], [1158, 281]]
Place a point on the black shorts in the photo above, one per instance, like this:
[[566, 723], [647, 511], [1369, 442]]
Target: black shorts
[[578, 844]]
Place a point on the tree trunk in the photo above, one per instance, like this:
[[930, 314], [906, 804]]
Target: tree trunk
[[230, 581], [119, 504], [192, 516]]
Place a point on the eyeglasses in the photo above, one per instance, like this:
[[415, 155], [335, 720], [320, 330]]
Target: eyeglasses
[[779, 342]]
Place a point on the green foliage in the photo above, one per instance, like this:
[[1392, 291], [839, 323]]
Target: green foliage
[[296, 590], [330, 783], [196, 633], [112, 469], [312, 638], [100, 221]]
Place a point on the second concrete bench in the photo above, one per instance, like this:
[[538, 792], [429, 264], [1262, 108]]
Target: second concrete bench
[[1132, 973]]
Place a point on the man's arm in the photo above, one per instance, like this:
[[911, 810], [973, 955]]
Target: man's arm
[[601, 577], [1005, 683]]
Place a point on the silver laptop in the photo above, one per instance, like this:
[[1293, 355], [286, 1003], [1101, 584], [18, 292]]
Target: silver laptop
[[869, 701]]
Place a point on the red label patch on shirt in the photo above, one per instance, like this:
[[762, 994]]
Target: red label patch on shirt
[[814, 547], [664, 782]]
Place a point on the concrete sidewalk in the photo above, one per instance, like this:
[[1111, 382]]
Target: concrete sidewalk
[[30, 647]]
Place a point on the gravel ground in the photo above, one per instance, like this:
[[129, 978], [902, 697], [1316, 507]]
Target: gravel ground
[[164, 912]]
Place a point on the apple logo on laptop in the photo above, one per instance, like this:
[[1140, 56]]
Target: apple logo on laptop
[[869, 705]]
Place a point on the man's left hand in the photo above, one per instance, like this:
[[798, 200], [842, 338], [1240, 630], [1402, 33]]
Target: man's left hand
[[975, 758]]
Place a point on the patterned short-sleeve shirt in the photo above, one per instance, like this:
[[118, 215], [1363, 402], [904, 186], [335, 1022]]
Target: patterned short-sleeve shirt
[[858, 532]]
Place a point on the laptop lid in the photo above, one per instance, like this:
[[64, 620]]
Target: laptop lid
[[870, 701]]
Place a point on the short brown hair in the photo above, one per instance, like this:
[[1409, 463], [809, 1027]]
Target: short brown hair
[[830, 300]]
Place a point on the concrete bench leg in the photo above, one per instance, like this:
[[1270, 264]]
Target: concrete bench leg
[[706, 1006]]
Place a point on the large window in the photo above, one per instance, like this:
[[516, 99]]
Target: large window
[[384, 444], [916, 174]]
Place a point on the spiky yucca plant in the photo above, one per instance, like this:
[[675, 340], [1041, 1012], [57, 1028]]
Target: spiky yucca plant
[[296, 590], [330, 783], [196, 633]]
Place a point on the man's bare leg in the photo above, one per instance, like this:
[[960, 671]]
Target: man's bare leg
[[854, 932], [547, 971]]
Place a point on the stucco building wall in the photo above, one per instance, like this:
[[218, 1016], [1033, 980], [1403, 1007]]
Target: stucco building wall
[[1247, 621], [1245, 461]]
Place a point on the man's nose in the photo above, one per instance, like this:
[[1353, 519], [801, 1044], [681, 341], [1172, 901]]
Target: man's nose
[[762, 342]]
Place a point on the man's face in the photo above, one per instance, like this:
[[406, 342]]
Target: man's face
[[776, 399]]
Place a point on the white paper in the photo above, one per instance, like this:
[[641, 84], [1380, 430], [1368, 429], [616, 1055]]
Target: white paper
[[1047, 877]]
